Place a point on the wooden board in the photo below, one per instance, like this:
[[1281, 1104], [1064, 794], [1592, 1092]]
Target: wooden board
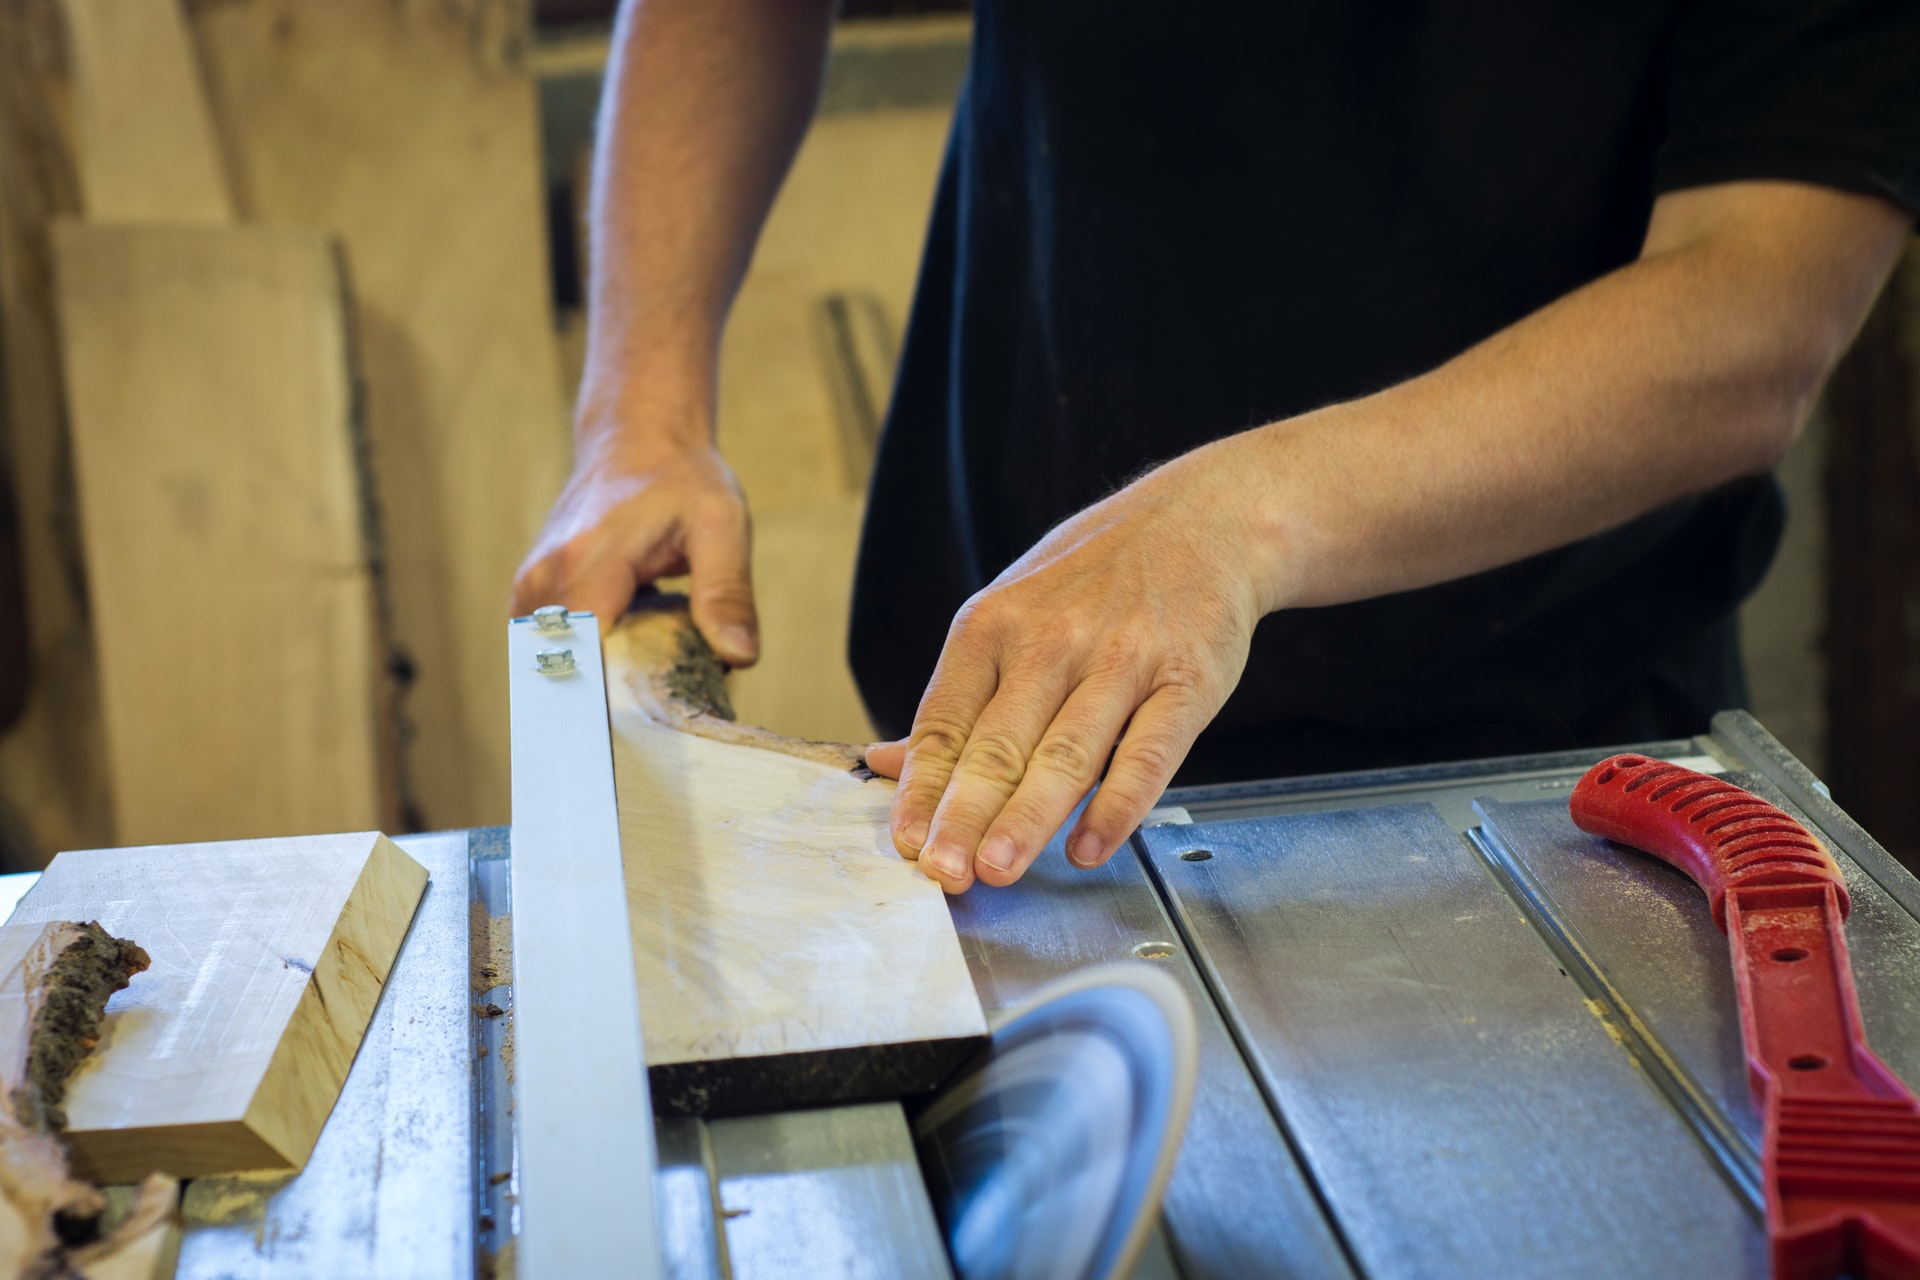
[[146, 145], [410, 131], [53, 774], [785, 954], [212, 421], [268, 957]]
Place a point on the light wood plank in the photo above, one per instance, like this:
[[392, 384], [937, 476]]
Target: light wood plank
[[146, 143], [212, 419], [53, 773], [771, 916], [410, 131], [268, 957]]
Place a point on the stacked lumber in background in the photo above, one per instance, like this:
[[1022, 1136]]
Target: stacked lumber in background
[[283, 411], [410, 131]]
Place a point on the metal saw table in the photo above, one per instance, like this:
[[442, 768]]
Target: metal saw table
[[1443, 1034]]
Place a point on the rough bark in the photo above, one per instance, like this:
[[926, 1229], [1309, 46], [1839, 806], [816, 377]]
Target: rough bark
[[51, 1224], [675, 677]]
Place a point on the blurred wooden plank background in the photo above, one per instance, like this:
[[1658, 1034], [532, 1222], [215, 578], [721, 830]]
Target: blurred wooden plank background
[[211, 408]]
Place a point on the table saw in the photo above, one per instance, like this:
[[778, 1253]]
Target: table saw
[[1442, 1032]]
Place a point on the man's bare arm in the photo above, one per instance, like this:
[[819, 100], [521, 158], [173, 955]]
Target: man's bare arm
[[705, 104], [1696, 364], [1130, 623]]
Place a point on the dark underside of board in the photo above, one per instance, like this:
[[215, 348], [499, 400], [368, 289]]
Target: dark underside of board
[[827, 1077]]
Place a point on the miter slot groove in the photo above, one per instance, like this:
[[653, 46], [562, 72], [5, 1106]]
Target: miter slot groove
[[1216, 991], [1730, 1152]]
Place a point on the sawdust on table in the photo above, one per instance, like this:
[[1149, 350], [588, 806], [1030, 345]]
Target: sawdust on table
[[231, 1198], [490, 949], [500, 1265]]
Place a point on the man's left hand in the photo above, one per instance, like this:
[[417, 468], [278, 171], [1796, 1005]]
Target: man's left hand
[[1127, 624]]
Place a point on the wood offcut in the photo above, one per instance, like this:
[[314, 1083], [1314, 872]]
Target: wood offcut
[[268, 958], [55, 981]]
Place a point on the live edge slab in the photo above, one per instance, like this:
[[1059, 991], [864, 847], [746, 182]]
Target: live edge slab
[[786, 955]]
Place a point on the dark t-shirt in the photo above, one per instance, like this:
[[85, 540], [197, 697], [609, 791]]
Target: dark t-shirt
[[1160, 224]]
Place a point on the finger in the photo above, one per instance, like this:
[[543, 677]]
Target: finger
[[887, 758], [1060, 772], [603, 589], [1143, 764], [532, 587], [962, 685], [991, 766], [601, 583], [720, 557]]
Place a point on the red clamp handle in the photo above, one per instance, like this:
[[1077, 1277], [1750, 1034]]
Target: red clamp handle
[[1842, 1134]]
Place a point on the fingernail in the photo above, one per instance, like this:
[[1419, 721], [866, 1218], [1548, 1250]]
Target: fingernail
[[740, 640], [1084, 849], [947, 860], [997, 853], [914, 836]]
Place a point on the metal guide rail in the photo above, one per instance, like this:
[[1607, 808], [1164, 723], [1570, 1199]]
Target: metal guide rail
[[1443, 1032]]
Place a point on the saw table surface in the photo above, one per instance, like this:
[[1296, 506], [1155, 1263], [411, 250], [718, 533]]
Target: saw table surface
[[1443, 1034]]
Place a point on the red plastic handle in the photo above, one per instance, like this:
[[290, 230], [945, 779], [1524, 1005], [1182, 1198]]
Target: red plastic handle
[[1722, 836], [1842, 1134]]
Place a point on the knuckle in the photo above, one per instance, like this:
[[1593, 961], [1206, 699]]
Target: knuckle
[[1120, 659], [724, 589], [571, 557], [719, 511], [1182, 675], [981, 620], [995, 757], [1144, 770], [937, 739], [1066, 754]]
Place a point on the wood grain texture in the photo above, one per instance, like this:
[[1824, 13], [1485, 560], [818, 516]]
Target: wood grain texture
[[268, 957], [409, 130], [212, 419], [146, 143], [785, 953], [53, 774]]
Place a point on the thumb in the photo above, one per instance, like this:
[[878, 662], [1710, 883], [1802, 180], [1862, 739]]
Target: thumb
[[719, 559], [887, 758]]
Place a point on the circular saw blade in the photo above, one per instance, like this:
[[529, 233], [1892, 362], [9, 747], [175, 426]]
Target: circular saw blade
[[1047, 1156]]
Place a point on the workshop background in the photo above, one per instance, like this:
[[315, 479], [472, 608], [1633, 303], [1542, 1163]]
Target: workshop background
[[290, 322]]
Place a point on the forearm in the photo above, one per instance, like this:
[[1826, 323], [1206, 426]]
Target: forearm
[[705, 104], [1693, 366]]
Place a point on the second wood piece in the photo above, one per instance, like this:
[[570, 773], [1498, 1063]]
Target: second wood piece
[[147, 151], [55, 981], [213, 428], [786, 954], [268, 958]]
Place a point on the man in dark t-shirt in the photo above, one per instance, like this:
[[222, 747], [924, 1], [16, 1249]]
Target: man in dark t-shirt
[[1290, 387]]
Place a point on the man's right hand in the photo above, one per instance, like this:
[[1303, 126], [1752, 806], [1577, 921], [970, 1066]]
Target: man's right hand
[[628, 517]]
